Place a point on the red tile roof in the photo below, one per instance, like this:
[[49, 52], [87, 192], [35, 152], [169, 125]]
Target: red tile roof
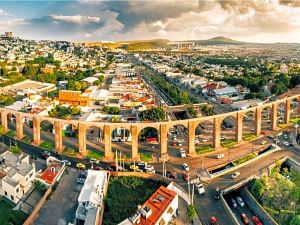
[[51, 172]]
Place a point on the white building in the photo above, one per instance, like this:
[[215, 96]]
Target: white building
[[16, 175], [91, 197]]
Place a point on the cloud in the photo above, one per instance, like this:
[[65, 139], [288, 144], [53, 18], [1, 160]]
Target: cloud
[[77, 19]]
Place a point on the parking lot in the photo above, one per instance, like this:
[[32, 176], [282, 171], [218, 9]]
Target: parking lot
[[63, 202]]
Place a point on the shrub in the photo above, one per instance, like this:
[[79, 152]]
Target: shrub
[[191, 211]]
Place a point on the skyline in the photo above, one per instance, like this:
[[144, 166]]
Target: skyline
[[249, 21]]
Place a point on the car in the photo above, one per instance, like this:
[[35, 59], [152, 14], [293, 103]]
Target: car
[[68, 163], [220, 156], [235, 174], [94, 161], [133, 167], [263, 142], [171, 174], [205, 140], [200, 188], [213, 221], [45, 156], [98, 168], [150, 169], [263, 133], [80, 180], [217, 194], [285, 143], [234, 204], [182, 153], [240, 201], [285, 136], [153, 146], [185, 177], [80, 166], [245, 218], [174, 144], [186, 167], [141, 164], [223, 138], [180, 144], [256, 220], [196, 141]]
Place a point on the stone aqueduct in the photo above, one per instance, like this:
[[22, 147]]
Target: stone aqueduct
[[162, 127]]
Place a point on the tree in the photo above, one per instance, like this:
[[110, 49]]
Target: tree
[[15, 150], [114, 110], [101, 79], [74, 111], [191, 211], [96, 82], [295, 220], [153, 114]]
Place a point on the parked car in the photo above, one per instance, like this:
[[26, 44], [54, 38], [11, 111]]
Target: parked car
[[240, 201], [234, 204], [94, 161], [256, 220], [223, 138], [80, 166], [186, 167], [245, 218], [68, 163], [213, 221], [220, 156], [133, 167], [263, 142], [217, 194], [98, 168], [235, 174], [285, 143], [149, 169], [171, 174], [205, 140]]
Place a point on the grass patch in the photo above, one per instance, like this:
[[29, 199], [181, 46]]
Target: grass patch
[[8, 215], [294, 120], [204, 149], [228, 143], [249, 137], [124, 195], [27, 139], [244, 159], [47, 145], [11, 133], [282, 125], [146, 157], [70, 152], [95, 155]]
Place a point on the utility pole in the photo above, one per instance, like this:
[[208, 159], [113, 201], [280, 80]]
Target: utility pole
[[189, 187], [117, 169], [192, 203]]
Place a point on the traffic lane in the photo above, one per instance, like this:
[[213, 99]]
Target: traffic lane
[[238, 210]]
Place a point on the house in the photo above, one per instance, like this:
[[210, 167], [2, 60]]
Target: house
[[17, 174], [90, 199], [157, 210], [227, 91]]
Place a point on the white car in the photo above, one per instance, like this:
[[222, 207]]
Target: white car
[[240, 201], [200, 188], [235, 175], [285, 143], [149, 169], [223, 138], [179, 144], [220, 156], [68, 163], [186, 167], [204, 139], [196, 141], [234, 204], [182, 153], [94, 161]]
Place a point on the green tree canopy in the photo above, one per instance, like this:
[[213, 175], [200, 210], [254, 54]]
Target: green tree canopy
[[153, 114]]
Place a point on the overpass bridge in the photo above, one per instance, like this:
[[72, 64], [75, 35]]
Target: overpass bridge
[[136, 128]]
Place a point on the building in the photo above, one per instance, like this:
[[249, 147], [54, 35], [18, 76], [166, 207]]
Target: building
[[159, 209], [73, 98], [90, 199], [240, 105], [53, 172], [17, 174], [227, 91]]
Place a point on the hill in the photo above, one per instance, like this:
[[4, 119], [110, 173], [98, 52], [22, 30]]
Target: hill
[[219, 41], [141, 45]]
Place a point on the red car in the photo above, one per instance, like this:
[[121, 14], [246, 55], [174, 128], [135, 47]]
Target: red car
[[256, 220], [185, 177], [214, 221], [245, 219]]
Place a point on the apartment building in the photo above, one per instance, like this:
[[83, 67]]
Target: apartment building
[[17, 174]]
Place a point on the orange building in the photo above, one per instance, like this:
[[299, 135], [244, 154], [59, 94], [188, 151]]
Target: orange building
[[74, 98]]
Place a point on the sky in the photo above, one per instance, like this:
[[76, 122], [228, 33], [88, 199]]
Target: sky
[[84, 20]]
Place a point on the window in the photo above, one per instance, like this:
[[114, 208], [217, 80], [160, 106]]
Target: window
[[17, 190], [26, 179], [12, 197], [30, 175], [5, 193]]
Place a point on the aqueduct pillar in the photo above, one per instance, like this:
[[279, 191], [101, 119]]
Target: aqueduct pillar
[[58, 136], [4, 120], [191, 136], [287, 111], [239, 127], [163, 142], [217, 133], [107, 143], [19, 126], [36, 130], [134, 142], [258, 121], [82, 139], [274, 116]]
